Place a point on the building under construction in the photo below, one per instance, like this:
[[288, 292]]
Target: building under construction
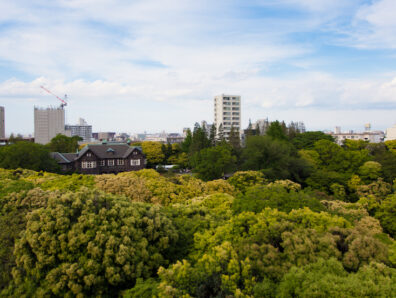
[[48, 122]]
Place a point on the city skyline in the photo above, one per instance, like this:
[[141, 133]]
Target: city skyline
[[156, 65]]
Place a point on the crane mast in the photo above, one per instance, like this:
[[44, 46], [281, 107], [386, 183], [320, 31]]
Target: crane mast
[[63, 103]]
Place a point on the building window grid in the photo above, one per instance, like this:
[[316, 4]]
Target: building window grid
[[135, 162], [110, 162], [88, 164], [120, 162], [102, 163]]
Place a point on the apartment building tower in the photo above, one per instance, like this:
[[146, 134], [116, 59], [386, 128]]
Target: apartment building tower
[[227, 114], [82, 129], [2, 123], [48, 122]]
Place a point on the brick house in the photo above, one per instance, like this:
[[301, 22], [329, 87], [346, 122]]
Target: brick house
[[102, 159]]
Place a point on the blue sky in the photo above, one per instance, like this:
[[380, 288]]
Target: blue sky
[[155, 65]]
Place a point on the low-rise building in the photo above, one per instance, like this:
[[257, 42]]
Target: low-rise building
[[376, 136], [82, 129], [102, 159], [174, 138]]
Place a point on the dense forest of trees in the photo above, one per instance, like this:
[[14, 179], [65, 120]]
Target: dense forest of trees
[[300, 216]]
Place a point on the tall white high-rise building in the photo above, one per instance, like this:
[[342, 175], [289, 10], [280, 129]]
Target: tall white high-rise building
[[227, 114], [48, 122], [2, 123]]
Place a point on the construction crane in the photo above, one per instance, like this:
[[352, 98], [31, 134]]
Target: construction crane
[[63, 103]]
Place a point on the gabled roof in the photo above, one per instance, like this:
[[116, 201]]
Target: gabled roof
[[102, 151], [109, 150], [64, 157]]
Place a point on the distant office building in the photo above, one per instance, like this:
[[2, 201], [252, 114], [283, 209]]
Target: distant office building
[[227, 114], [391, 133], [2, 123], [82, 129], [157, 137], [174, 138], [48, 122], [376, 136], [104, 136]]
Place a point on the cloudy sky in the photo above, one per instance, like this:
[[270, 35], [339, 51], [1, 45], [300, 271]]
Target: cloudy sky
[[153, 65]]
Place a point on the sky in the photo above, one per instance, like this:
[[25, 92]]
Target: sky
[[156, 65]]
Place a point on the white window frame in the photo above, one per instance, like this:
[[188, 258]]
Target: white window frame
[[135, 162], [88, 164], [102, 163], [110, 162], [120, 162]]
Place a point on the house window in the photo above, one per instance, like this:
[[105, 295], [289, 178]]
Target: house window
[[88, 164], [135, 153], [135, 162], [120, 162], [89, 154], [110, 162], [102, 163]]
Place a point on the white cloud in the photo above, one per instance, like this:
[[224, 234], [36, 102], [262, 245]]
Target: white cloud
[[179, 102], [374, 25], [136, 65]]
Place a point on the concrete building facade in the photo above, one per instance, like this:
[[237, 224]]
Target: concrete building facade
[[227, 114], [82, 129], [376, 136], [391, 133], [2, 123], [48, 122]]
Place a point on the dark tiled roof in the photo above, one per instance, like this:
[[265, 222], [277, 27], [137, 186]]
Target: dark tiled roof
[[102, 151], [63, 157], [109, 150]]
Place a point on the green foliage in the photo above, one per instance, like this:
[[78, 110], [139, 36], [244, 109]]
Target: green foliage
[[153, 152], [327, 278], [186, 144], [275, 158], [199, 140], [370, 171], [13, 210], [386, 158], [307, 139], [334, 158], [62, 143], [27, 155], [143, 288], [87, 243], [212, 163], [243, 179], [276, 197], [250, 253], [387, 215], [277, 131]]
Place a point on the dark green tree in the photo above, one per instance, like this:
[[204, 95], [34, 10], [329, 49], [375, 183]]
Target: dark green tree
[[64, 144], [234, 139], [307, 139], [277, 130], [27, 155], [277, 159], [186, 144], [212, 163], [212, 135], [199, 139]]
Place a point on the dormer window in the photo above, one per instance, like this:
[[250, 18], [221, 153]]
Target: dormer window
[[110, 151]]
